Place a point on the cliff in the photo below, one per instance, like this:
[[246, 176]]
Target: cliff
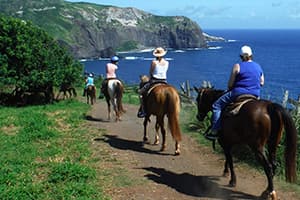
[[92, 31]]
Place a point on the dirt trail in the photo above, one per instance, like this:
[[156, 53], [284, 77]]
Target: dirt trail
[[195, 174]]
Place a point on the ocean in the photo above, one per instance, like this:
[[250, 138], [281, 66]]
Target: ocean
[[277, 51]]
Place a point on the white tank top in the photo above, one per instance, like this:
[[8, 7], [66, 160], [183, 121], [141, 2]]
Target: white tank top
[[160, 71]]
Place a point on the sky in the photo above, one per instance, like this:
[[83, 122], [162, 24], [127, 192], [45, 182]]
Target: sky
[[221, 14]]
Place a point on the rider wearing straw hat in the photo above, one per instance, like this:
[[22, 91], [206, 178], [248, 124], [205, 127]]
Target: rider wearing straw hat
[[158, 73]]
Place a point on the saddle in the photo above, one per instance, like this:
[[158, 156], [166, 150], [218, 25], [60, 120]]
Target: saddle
[[233, 108], [154, 85]]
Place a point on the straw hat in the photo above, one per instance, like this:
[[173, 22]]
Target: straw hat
[[159, 52]]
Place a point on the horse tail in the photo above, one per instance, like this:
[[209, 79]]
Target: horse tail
[[290, 140], [173, 114], [119, 94]]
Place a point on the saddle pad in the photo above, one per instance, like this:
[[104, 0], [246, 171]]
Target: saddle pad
[[234, 108], [154, 86]]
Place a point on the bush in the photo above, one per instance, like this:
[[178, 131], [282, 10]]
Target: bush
[[32, 61]]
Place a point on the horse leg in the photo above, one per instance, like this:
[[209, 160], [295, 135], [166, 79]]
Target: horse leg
[[160, 121], [226, 171], [229, 162], [108, 109], [156, 141], [145, 139], [269, 192]]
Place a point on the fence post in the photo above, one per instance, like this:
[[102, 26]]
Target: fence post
[[298, 106], [285, 98]]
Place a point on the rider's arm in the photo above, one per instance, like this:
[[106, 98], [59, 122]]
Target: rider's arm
[[234, 72], [262, 80], [152, 67]]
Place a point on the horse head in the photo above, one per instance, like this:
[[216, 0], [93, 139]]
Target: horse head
[[205, 99]]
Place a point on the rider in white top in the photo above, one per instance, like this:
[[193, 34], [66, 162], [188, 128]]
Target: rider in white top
[[158, 73]]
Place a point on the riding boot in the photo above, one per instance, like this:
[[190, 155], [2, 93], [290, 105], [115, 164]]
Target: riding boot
[[84, 92], [211, 135]]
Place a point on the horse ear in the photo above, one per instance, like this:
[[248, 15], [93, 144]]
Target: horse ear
[[196, 89]]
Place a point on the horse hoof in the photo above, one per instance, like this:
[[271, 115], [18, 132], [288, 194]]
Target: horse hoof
[[232, 184], [177, 153], [162, 148], [156, 142], [145, 140], [225, 174], [269, 195]]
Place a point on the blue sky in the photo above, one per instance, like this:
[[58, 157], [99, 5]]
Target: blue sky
[[222, 14]]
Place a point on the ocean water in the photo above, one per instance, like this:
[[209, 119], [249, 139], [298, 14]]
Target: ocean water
[[277, 51]]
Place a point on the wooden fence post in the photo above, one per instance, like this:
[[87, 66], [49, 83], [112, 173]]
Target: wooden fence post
[[285, 98]]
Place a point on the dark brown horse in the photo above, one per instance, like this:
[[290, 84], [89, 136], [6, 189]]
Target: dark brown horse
[[163, 100], [66, 88], [91, 94], [259, 123]]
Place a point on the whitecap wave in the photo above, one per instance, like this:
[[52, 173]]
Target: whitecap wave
[[214, 48]]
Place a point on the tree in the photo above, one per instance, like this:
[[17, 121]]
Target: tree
[[32, 61]]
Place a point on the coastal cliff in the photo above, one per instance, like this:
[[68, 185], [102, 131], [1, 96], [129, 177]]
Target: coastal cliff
[[92, 31]]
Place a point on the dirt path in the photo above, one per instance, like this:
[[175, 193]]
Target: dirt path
[[195, 174]]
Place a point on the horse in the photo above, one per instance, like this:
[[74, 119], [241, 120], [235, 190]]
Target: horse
[[64, 88], [161, 100], [259, 123], [113, 96], [91, 94]]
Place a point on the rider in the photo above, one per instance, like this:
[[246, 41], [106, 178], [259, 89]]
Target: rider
[[110, 74], [158, 73], [246, 78], [88, 81]]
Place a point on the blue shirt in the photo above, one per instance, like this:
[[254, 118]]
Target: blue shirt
[[90, 81], [247, 81]]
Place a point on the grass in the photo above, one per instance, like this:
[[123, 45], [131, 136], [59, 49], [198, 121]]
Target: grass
[[46, 154]]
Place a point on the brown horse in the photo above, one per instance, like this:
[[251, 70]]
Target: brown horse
[[259, 123], [162, 100], [91, 94], [113, 96]]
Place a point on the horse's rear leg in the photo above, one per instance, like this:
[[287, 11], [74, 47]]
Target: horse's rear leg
[[177, 148], [156, 141], [160, 122], [229, 161], [269, 192], [108, 109], [145, 138]]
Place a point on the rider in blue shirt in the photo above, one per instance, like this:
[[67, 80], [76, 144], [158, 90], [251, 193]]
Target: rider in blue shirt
[[246, 78], [88, 81]]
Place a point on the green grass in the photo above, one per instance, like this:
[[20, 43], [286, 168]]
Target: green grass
[[45, 153]]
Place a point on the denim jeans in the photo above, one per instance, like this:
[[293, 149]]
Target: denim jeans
[[217, 107]]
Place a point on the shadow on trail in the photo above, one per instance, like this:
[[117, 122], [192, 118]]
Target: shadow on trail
[[198, 186], [124, 144], [91, 118]]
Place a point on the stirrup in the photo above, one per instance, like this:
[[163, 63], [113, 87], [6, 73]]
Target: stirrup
[[141, 114]]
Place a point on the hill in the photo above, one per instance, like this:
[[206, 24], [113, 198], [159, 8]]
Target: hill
[[93, 31]]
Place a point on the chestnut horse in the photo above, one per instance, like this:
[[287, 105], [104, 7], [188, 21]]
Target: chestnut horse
[[91, 94], [259, 123], [161, 100], [113, 96]]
